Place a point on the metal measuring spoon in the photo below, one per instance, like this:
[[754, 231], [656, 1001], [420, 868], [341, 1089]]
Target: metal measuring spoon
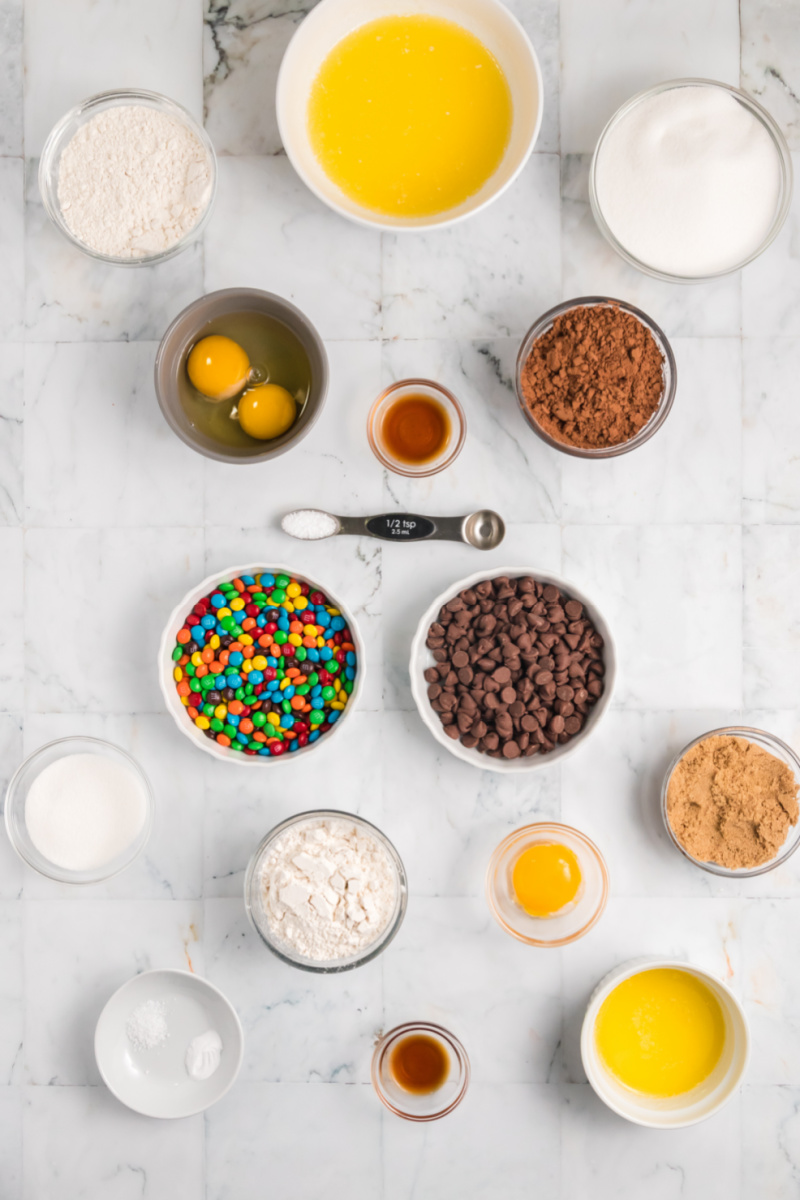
[[484, 529]]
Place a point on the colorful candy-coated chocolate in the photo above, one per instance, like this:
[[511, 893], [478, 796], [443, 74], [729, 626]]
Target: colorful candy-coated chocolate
[[264, 665]]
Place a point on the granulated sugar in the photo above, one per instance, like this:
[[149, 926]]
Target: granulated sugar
[[84, 810], [688, 181], [133, 181]]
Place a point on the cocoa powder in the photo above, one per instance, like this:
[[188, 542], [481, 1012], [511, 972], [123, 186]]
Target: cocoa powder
[[595, 378]]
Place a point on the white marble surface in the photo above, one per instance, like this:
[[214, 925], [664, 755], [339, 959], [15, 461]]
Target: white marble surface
[[691, 545]]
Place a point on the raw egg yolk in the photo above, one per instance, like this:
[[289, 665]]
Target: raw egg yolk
[[218, 367], [546, 878], [267, 411]]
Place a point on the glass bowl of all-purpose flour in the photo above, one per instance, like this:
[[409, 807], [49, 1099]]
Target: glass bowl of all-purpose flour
[[326, 891], [690, 180], [79, 810], [129, 177]]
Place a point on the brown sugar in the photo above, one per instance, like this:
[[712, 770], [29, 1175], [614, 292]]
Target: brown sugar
[[732, 803], [595, 378]]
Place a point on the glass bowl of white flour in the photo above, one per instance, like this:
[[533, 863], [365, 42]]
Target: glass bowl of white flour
[[129, 177], [79, 810], [326, 891]]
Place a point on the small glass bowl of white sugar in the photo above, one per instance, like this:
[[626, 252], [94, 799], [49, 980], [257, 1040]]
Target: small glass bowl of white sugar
[[690, 180], [79, 810], [326, 891], [128, 177]]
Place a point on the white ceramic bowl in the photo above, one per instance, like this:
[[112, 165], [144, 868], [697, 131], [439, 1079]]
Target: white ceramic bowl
[[332, 20], [676, 1111], [155, 1082], [422, 658], [166, 666]]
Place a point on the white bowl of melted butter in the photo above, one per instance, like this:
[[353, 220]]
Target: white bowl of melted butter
[[367, 151], [664, 1043]]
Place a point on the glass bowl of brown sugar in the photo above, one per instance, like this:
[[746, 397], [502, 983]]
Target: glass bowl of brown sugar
[[735, 815], [595, 377]]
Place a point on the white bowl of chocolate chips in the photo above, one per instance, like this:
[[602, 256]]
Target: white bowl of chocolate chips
[[512, 669]]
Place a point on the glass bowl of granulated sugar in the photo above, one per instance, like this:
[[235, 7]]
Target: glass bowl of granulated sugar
[[326, 891], [129, 177], [79, 810]]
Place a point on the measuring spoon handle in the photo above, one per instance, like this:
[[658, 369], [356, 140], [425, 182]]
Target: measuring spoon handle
[[405, 527]]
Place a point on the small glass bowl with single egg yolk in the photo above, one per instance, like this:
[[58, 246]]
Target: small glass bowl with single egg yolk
[[547, 884]]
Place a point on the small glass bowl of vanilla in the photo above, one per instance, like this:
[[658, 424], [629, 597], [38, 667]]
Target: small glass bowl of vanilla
[[547, 884]]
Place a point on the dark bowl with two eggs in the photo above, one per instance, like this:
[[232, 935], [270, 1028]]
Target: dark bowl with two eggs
[[241, 375]]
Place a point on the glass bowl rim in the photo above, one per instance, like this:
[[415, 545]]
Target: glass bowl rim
[[746, 733], [544, 323], [555, 827], [436, 467], [455, 1044], [55, 144], [773, 129], [65, 875], [330, 967]]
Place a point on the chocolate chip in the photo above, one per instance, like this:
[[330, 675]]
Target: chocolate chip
[[517, 667]]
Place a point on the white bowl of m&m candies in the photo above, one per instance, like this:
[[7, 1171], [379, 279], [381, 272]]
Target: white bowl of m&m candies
[[260, 664]]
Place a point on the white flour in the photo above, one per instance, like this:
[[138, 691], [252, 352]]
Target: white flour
[[329, 889], [133, 181]]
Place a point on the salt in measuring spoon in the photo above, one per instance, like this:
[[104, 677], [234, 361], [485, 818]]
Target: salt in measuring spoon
[[484, 529]]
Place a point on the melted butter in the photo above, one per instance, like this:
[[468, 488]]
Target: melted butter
[[661, 1032], [410, 115]]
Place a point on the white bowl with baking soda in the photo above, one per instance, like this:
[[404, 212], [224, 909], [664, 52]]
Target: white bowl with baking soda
[[409, 116], [664, 1043]]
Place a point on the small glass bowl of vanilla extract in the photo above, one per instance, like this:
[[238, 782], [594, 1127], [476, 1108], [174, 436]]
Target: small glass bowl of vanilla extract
[[416, 428], [420, 1071]]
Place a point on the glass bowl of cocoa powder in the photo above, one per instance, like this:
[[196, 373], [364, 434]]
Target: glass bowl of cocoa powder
[[729, 802], [595, 377]]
